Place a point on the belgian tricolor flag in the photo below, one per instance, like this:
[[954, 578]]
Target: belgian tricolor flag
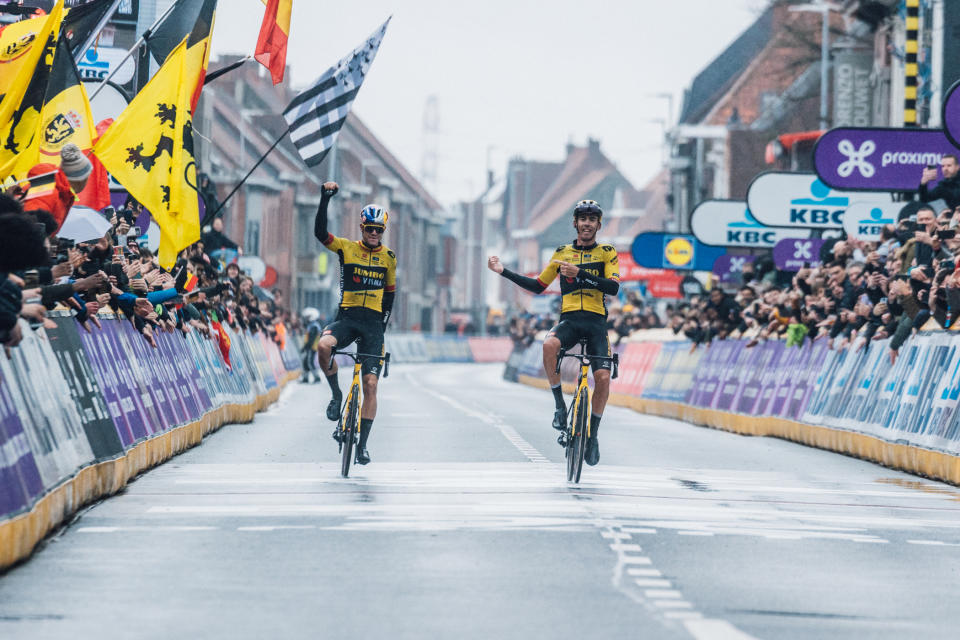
[[193, 18], [274, 32]]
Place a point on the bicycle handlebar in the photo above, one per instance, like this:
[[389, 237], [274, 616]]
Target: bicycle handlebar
[[355, 356], [587, 359]]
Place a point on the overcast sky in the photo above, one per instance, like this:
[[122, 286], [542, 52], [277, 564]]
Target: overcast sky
[[512, 77]]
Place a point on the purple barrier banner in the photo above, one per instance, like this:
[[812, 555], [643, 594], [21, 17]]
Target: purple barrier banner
[[706, 380], [730, 376], [729, 268], [126, 419], [84, 386], [19, 475], [757, 376], [793, 254], [877, 159]]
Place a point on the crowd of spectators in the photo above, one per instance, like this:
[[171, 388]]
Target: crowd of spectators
[[40, 271], [861, 291]]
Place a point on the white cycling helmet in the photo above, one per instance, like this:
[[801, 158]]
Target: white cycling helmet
[[372, 214], [310, 314]]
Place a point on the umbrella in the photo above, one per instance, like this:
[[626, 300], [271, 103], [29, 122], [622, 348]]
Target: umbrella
[[83, 224]]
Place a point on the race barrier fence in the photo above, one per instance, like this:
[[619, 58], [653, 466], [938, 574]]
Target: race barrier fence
[[850, 401], [81, 413]]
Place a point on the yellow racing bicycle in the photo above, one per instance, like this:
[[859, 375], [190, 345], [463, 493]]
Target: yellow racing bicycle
[[349, 425], [574, 437]]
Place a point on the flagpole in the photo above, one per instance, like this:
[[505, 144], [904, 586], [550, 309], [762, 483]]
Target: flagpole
[[136, 45], [249, 173]]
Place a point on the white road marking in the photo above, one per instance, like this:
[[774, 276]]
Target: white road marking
[[639, 530], [625, 547], [710, 629], [937, 543], [682, 615], [653, 573], [144, 528], [662, 593], [652, 582], [672, 604], [278, 527], [694, 533], [635, 560], [532, 454]]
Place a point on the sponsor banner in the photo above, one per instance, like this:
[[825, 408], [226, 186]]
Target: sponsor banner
[[950, 115], [20, 478], [636, 365], [729, 268], [41, 395], [802, 201], [630, 271], [729, 223], [673, 251], [489, 349], [876, 159], [865, 221], [98, 62], [84, 388], [793, 254]]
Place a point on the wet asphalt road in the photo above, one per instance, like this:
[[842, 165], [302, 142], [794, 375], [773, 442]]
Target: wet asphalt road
[[464, 526]]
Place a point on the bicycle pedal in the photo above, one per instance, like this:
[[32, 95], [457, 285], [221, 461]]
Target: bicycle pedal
[[562, 440]]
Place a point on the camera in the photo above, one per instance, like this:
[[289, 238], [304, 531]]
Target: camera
[[946, 234]]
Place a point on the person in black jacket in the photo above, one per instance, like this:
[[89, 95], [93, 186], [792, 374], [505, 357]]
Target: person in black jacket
[[949, 188], [215, 240]]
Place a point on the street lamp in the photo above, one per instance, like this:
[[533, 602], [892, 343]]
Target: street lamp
[[824, 10]]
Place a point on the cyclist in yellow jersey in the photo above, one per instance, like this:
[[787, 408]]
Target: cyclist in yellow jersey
[[368, 272], [588, 272]]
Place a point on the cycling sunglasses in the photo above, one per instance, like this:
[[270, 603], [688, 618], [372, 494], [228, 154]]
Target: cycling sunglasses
[[374, 228]]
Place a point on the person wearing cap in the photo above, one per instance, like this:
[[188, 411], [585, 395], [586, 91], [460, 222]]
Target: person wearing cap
[[54, 189]]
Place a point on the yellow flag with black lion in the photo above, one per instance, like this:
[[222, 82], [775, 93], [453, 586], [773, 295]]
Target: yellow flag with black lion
[[149, 150]]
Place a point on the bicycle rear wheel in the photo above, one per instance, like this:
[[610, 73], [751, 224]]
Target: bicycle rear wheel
[[577, 445], [349, 431]]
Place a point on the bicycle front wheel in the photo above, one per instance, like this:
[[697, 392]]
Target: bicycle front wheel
[[349, 431], [577, 445]]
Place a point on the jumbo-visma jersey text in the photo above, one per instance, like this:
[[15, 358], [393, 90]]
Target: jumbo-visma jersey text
[[364, 274], [599, 260]]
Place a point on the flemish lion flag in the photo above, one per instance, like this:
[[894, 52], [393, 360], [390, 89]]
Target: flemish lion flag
[[149, 150], [26, 59]]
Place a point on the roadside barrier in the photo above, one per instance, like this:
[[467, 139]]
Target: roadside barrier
[[904, 416], [81, 413], [418, 347]]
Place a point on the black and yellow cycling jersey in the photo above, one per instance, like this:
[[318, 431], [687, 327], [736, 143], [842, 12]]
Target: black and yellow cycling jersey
[[365, 274], [580, 294]]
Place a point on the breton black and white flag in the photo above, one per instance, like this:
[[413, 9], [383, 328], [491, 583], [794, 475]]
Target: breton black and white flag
[[317, 114]]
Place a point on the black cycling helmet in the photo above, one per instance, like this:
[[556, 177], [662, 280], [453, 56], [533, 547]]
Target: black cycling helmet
[[587, 208]]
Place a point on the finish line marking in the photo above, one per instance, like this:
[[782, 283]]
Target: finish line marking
[[659, 595]]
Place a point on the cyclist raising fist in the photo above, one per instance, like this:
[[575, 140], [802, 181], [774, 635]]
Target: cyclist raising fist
[[368, 272]]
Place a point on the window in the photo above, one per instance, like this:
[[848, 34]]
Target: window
[[251, 232]]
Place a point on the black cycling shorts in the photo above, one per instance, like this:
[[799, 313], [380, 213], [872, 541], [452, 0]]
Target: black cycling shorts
[[575, 325], [364, 326]]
